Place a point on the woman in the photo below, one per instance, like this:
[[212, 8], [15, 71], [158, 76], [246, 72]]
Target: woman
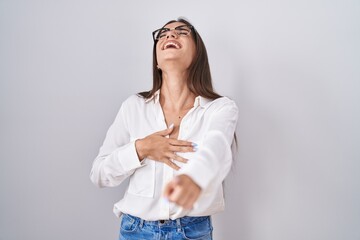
[[174, 142]]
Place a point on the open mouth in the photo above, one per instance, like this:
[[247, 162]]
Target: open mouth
[[171, 44]]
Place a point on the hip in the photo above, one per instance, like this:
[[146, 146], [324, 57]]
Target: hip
[[195, 228]]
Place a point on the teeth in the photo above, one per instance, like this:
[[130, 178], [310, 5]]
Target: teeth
[[171, 44]]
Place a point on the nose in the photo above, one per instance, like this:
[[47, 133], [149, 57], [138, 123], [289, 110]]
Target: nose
[[171, 33]]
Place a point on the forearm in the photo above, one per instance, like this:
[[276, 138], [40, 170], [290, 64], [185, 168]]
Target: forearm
[[212, 162], [110, 169]]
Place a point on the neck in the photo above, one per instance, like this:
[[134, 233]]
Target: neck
[[175, 94]]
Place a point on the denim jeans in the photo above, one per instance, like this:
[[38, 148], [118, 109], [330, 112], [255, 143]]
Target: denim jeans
[[193, 228]]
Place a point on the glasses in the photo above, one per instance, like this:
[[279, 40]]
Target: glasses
[[183, 30]]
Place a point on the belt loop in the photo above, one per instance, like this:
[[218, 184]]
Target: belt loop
[[178, 224], [141, 223]]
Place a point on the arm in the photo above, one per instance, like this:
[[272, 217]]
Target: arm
[[117, 158], [211, 163]]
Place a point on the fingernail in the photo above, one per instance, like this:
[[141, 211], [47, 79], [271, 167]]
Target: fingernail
[[194, 144], [195, 149], [171, 125]]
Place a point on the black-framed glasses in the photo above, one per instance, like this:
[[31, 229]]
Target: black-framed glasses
[[182, 30]]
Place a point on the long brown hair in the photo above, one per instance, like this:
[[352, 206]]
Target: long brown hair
[[199, 76]]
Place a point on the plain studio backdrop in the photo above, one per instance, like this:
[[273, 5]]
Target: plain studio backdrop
[[293, 67]]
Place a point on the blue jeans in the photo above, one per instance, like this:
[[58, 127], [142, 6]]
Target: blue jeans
[[193, 228]]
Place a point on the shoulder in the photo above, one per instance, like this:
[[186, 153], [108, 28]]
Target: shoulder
[[132, 105], [221, 103], [224, 101], [134, 100]]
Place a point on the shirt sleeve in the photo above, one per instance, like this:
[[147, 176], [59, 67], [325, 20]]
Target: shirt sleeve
[[212, 161], [117, 158]]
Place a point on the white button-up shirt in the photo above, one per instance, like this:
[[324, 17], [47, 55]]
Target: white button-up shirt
[[210, 124]]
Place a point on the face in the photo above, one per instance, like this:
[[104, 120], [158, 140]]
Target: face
[[173, 50]]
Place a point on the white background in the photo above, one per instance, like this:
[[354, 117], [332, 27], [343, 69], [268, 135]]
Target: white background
[[293, 67]]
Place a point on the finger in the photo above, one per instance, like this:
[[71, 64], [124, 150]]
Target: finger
[[182, 149], [176, 142], [171, 164], [169, 188], [189, 203], [177, 187], [185, 196], [176, 194], [176, 157]]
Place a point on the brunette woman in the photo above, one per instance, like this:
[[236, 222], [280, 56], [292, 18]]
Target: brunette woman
[[174, 142]]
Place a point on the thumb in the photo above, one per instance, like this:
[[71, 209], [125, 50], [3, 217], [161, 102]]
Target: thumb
[[167, 131], [170, 187]]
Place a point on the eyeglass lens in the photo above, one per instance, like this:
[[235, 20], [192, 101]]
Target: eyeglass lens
[[183, 30]]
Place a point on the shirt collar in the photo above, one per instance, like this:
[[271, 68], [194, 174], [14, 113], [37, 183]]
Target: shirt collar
[[199, 100]]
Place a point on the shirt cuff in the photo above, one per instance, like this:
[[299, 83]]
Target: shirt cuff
[[131, 160]]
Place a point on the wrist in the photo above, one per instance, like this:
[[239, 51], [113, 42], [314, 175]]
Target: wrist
[[139, 146]]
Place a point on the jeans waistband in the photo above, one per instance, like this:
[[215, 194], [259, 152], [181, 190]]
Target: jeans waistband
[[178, 223]]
